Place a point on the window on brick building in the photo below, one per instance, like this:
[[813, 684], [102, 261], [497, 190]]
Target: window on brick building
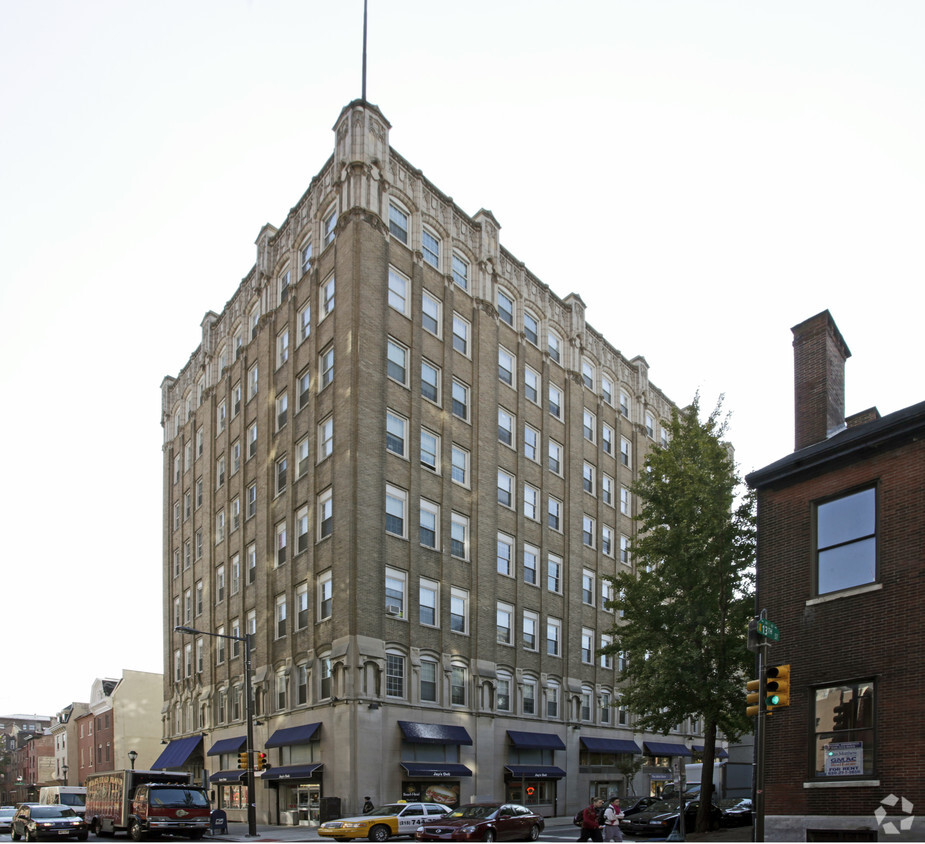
[[846, 541], [845, 735]]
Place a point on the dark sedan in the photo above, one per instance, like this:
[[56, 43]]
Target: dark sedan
[[661, 818], [737, 812], [484, 822], [38, 820], [635, 805]]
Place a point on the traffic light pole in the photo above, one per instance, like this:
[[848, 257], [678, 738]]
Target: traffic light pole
[[249, 710], [760, 739]]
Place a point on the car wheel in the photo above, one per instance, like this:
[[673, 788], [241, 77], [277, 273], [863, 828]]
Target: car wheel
[[489, 835], [26, 834], [380, 832], [14, 834], [534, 833], [83, 836]]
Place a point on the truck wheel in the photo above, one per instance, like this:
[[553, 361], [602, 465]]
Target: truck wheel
[[135, 832], [380, 832]]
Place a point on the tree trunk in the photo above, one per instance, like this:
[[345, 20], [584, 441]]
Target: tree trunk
[[706, 776]]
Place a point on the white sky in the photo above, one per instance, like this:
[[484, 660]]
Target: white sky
[[704, 174]]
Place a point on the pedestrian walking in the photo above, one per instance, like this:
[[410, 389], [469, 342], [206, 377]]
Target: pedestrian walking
[[368, 805], [590, 821], [612, 815]]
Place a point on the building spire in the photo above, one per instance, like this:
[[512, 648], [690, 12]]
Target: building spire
[[364, 51]]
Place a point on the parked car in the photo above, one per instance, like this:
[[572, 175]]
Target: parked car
[[737, 812], [484, 822], [635, 805], [36, 820], [381, 823], [6, 818], [661, 818]]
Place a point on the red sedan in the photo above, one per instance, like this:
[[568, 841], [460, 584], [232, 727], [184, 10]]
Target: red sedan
[[484, 822]]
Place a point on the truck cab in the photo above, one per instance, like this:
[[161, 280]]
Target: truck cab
[[169, 808]]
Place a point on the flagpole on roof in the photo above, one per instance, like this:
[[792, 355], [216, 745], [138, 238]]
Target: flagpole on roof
[[364, 50]]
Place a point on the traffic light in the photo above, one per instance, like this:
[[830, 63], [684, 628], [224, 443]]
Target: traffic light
[[842, 715], [260, 761], [778, 687], [243, 760], [751, 697]]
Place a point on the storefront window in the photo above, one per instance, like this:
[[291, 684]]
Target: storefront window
[[531, 792]]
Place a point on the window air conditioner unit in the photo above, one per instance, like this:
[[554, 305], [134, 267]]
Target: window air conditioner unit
[[393, 609]]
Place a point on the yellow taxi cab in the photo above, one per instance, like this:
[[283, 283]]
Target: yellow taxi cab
[[381, 823]]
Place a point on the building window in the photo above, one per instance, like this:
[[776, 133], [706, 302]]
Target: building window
[[845, 736], [281, 610], [555, 457], [529, 697], [301, 522], [428, 681], [396, 433], [587, 587], [460, 271], [587, 374], [458, 685], [531, 561], [846, 541], [460, 465], [555, 401], [398, 223], [325, 514], [607, 540], [326, 677], [554, 573], [505, 489], [530, 625], [397, 366], [431, 313], [329, 226], [395, 592], [532, 383], [553, 637], [459, 610], [327, 297], [430, 381], [398, 291], [281, 472], [587, 478], [460, 405], [505, 427], [531, 328], [430, 524], [606, 656], [607, 489], [531, 443], [430, 246], [326, 367], [394, 675], [507, 364], [325, 595], [625, 454], [281, 543], [282, 347], [607, 389], [461, 330], [553, 510], [305, 257], [429, 603], [503, 695], [301, 609], [589, 425], [301, 685], [303, 388], [430, 450], [554, 346], [505, 306], [325, 438], [396, 510], [282, 410], [505, 555], [301, 457], [587, 646], [505, 624], [305, 322], [459, 536], [531, 503], [588, 530]]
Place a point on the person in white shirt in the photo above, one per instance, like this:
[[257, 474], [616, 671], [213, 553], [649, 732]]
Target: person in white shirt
[[612, 815]]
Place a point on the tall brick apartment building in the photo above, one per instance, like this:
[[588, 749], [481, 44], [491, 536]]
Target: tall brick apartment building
[[401, 462], [841, 532]]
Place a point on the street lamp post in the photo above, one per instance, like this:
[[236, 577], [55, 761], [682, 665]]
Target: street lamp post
[[249, 712], [132, 756]]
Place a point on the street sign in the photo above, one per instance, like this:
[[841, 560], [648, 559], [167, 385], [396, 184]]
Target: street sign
[[768, 629]]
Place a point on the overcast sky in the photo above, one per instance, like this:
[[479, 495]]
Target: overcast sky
[[704, 174]]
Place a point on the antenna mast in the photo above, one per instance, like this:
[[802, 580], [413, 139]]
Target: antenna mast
[[364, 50]]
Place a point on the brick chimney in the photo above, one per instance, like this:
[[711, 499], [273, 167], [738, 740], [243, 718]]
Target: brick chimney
[[819, 355]]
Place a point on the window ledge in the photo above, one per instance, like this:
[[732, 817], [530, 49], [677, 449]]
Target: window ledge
[[842, 784], [845, 593]]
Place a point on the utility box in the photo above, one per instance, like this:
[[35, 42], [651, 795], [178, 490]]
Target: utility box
[[329, 809]]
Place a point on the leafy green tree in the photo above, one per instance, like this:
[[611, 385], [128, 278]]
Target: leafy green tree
[[684, 614]]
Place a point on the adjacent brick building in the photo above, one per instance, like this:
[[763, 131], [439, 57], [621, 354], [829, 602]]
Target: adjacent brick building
[[841, 533], [403, 463]]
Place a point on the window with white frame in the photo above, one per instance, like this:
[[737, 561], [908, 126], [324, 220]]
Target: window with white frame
[[305, 256], [554, 346], [531, 328], [553, 691], [531, 444], [460, 465], [553, 637], [606, 657], [505, 555], [396, 433], [302, 450], [325, 677], [506, 426], [430, 247], [505, 304], [428, 682], [459, 536], [528, 704], [589, 425], [282, 410], [398, 222], [282, 347], [505, 623], [625, 503], [430, 450], [431, 313], [430, 381], [607, 388], [531, 624], [301, 608], [555, 401], [460, 271], [305, 322], [588, 530], [394, 674], [650, 425], [607, 489], [326, 294], [503, 692], [553, 513], [397, 361], [281, 544], [555, 457], [325, 513], [399, 287], [531, 503], [532, 385], [325, 438], [624, 404], [507, 366], [554, 573], [846, 541], [587, 646], [303, 389], [282, 472], [325, 595], [461, 331], [587, 478], [531, 559], [429, 524], [429, 603], [329, 226], [326, 367], [587, 373], [396, 511], [607, 540], [587, 587], [625, 455], [458, 680], [281, 609], [396, 592], [301, 528], [625, 550], [459, 610], [460, 404], [505, 489]]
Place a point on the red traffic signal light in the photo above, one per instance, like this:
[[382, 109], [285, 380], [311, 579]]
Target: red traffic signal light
[[260, 761]]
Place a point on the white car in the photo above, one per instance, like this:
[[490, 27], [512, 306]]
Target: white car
[[381, 823]]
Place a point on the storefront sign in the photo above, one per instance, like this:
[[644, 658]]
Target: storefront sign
[[844, 759]]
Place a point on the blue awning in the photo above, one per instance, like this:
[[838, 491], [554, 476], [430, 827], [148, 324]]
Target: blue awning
[[719, 753], [176, 753], [544, 741], [294, 735], [535, 772], [609, 745], [227, 776], [291, 772], [660, 748], [227, 745], [436, 769], [418, 733]]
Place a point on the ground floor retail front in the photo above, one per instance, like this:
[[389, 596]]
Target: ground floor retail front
[[323, 769]]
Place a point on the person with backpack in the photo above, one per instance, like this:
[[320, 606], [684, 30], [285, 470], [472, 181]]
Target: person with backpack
[[612, 815], [590, 821]]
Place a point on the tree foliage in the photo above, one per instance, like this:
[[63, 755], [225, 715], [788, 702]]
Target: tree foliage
[[682, 625]]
